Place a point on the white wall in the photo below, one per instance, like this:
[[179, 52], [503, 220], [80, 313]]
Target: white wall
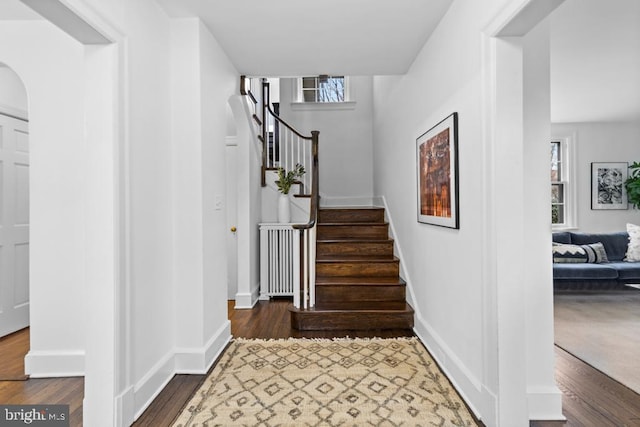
[[466, 311], [52, 73], [13, 94], [600, 142], [219, 80], [345, 145], [249, 200], [148, 131], [202, 81], [188, 211], [538, 273], [153, 346]]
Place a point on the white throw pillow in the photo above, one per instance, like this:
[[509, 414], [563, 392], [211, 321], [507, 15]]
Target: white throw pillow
[[633, 249]]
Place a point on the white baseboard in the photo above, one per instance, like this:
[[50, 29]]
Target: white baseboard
[[245, 300], [481, 402], [135, 400], [328, 201], [153, 382], [125, 407], [199, 360], [545, 404], [44, 364]]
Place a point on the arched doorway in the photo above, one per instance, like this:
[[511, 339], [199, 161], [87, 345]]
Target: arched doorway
[[14, 222]]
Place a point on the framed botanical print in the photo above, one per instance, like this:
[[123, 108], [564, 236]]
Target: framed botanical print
[[607, 185]]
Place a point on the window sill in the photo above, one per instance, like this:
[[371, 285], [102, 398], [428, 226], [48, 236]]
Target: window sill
[[307, 106]]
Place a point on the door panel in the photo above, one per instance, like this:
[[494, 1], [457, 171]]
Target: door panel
[[14, 225]]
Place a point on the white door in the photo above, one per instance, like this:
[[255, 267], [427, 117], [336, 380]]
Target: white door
[[14, 225]]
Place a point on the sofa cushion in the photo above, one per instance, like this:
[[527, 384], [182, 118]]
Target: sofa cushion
[[584, 271], [615, 244], [633, 245], [592, 253], [561, 237], [627, 270]]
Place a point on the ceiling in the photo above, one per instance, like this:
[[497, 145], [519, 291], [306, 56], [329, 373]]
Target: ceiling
[[298, 37], [595, 44], [11, 10], [595, 61]]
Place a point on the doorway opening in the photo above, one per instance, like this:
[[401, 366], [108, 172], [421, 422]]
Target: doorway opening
[[14, 224]]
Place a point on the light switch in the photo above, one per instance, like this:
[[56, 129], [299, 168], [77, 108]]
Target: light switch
[[217, 201]]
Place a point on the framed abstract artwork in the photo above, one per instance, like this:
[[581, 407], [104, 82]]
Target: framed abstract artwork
[[607, 185], [437, 170]]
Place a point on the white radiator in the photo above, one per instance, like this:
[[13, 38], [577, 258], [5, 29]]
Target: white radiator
[[279, 260]]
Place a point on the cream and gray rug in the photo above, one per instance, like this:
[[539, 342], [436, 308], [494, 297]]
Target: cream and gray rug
[[342, 382], [602, 329]]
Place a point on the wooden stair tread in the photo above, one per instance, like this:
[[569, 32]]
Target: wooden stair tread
[[344, 240], [360, 281], [350, 208], [355, 259], [407, 309], [353, 215], [353, 319], [352, 224], [336, 209]]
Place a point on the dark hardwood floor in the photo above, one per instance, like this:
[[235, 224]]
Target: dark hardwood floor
[[591, 399]]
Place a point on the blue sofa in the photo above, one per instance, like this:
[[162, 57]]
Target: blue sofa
[[612, 275]]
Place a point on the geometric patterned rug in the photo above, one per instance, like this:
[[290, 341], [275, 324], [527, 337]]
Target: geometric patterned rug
[[324, 382]]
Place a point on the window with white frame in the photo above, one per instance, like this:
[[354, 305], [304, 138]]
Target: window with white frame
[[562, 193], [323, 89], [323, 92]]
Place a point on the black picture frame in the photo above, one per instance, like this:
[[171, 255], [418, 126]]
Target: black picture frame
[[437, 174], [607, 185]]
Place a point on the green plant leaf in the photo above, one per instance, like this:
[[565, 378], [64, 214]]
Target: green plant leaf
[[287, 178]]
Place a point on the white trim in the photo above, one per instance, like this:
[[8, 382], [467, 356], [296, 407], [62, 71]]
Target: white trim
[[75, 19], [540, 399], [519, 16], [199, 360], [323, 106], [328, 201], [488, 272], [245, 300], [133, 401], [397, 249], [504, 314], [464, 381], [152, 383], [468, 386], [44, 364], [16, 113], [125, 407]]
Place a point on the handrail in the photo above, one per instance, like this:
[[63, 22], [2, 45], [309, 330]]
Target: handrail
[[315, 188], [315, 194], [267, 103], [284, 146]]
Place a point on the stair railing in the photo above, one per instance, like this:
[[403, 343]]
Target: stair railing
[[283, 146]]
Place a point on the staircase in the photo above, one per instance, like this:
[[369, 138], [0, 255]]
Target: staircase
[[357, 276], [345, 275]]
